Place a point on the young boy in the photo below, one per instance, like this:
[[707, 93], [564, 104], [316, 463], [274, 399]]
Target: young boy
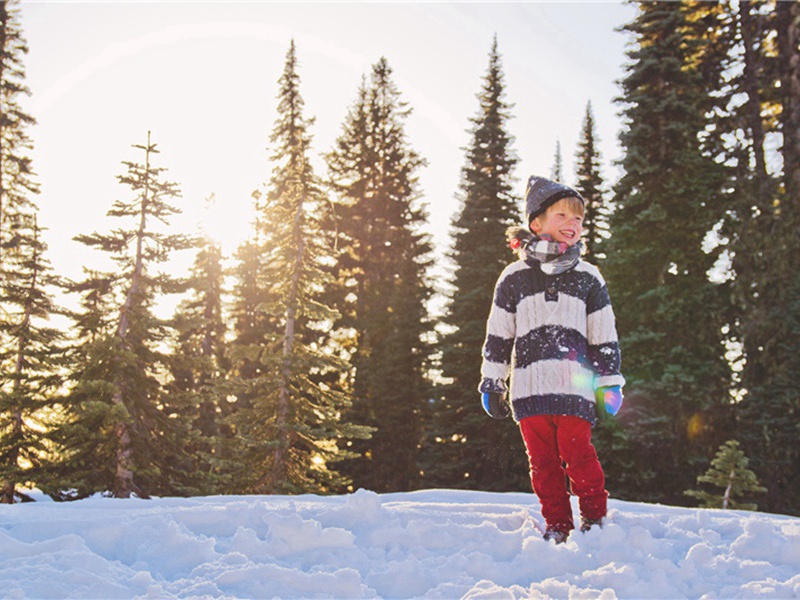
[[551, 325]]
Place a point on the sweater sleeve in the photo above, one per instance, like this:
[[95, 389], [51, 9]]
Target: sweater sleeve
[[603, 352], [499, 344]]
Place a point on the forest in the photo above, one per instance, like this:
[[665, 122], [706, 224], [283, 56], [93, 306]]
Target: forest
[[310, 362]]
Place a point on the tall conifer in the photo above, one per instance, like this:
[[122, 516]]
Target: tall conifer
[[382, 287], [31, 358], [120, 434], [30, 351], [198, 366], [557, 170], [762, 223], [591, 186], [17, 184], [668, 312], [464, 447], [292, 425]]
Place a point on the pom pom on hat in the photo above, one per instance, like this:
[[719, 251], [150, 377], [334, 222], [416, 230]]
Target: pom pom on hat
[[518, 238], [542, 193]]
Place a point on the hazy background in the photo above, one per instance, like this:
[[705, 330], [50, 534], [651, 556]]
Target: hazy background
[[202, 76]]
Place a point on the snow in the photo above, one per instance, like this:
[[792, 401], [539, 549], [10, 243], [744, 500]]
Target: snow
[[425, 544]]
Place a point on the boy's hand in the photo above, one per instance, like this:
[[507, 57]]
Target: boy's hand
[[609, 401], [495, 405]]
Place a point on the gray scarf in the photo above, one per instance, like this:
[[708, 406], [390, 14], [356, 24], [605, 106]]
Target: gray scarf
[[554, 257]]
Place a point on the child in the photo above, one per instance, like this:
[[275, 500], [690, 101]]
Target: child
[[551, 325]]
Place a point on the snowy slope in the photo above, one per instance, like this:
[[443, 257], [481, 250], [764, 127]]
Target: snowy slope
[[431, 544]]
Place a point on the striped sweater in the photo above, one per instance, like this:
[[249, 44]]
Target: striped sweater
[[557, 337]]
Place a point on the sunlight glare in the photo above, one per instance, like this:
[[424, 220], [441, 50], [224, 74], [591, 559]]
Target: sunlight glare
[[228, 228]]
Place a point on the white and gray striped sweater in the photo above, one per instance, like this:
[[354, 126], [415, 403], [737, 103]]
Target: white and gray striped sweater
[[556, 334]]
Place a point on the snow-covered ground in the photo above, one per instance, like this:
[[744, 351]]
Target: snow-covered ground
[[427, 544]]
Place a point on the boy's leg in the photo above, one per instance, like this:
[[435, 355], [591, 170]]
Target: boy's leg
[[547, 473], [583, 466]]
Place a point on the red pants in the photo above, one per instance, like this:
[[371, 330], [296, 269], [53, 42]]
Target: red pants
[[559, 445]]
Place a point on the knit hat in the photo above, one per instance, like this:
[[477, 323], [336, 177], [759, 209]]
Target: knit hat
[[543, 193]]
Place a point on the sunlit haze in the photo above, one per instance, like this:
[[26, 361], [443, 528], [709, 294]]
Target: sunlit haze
[[203, 78]]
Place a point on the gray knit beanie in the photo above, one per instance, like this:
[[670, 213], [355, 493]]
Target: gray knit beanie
[[543, 193]]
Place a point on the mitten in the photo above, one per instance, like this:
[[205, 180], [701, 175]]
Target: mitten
[[609, 401], [493, 398], [495, 405]]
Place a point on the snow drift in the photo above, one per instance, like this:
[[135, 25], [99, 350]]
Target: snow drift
[[427, 544]]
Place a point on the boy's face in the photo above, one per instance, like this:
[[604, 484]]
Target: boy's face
[[560, 222]]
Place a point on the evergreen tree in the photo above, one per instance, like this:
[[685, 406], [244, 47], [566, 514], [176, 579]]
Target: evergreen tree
[[292, 428], [591, 186], [611, 437], [30, 349], [120, 435], [31, 356], [254, 332], [729, 473], [669, 314], [788, 46], [557, 171], [762, 223], [198, 365], [381, 282], [252, 327], [17, 184], [464, 447]]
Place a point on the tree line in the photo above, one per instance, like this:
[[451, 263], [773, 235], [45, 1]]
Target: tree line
[[312, 364]]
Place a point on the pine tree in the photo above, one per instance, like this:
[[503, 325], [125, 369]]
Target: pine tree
[[729, 473], [31, 356], [557, 171], [30, 349], [591, 186], [254, 332], [788, 46], [381, 281], [669, 314], [198, 365], [763, 223], [292, 425], [464, 447], [120, 436], [17, 184]]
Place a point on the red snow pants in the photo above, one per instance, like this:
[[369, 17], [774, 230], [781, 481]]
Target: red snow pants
[[560, 446]]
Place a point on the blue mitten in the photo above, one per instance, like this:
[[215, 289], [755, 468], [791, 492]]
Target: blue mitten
[[495, 405], [609, 401], [493, 398]]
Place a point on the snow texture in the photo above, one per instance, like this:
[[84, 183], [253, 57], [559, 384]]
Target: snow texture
[[426, 544]]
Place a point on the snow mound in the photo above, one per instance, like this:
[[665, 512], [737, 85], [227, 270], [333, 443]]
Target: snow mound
[[426, 544]]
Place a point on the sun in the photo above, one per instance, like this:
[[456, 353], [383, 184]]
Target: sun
[[226, 227]]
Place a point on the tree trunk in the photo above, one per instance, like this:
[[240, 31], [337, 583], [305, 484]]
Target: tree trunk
[[280, 457], [753, 106], [3, 203], [727, 497], [9, 487], [788, 25], [123, 479]]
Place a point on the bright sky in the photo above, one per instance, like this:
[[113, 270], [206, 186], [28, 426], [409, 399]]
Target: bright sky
[[202, 76]]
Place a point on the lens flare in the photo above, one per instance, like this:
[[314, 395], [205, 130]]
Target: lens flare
[[582, 380], [695, 426]]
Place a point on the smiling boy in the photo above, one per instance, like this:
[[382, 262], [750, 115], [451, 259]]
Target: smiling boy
[[552, 328]]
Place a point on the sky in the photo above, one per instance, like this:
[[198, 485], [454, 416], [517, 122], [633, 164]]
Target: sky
[[428, 544], [202, 77]]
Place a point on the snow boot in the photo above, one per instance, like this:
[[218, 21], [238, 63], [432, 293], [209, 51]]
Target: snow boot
[[558, 536], [587, 524]]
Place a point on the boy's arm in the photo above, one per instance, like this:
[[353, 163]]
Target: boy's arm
[[604, 353], [497, 348]]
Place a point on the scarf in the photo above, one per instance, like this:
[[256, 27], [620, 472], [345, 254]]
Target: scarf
[[554, 257]]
